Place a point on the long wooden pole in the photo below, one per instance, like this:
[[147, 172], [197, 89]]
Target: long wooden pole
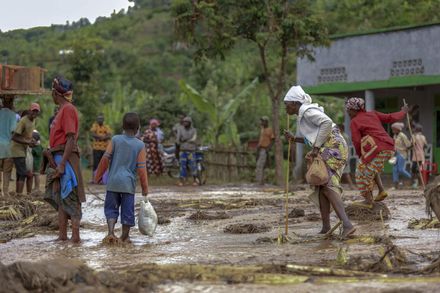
[[413, 146], [287, 182]]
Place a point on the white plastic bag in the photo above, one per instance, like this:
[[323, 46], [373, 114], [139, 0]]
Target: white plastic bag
[[29, 160], [147, 218]]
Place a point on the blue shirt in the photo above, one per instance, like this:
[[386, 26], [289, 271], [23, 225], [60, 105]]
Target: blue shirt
[[124, 163], [8, 123]]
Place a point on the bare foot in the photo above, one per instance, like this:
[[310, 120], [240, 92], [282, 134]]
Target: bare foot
[[76, 240], [324, 230], [126, 240], [61, 238]]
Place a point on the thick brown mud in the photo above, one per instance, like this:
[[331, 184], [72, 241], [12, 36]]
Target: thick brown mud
[[190, 238]]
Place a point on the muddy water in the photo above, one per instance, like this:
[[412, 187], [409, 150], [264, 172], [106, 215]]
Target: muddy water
[[183, 241]]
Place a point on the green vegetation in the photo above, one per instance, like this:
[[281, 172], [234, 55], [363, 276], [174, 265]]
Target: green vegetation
[[136, 59]]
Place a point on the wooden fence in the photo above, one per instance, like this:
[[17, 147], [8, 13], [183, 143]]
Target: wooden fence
[[230, 165]]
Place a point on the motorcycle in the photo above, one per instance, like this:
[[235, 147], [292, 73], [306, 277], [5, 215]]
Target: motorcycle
[[170, 162], [172, 166]]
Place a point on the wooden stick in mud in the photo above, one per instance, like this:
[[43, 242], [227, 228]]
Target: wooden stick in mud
[[333, 229], [413, 147], [287, 181]]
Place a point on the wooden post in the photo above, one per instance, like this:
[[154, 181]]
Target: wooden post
[[287, 182], [412, 143]]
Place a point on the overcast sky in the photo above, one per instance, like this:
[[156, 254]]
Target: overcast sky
[[15, 14]]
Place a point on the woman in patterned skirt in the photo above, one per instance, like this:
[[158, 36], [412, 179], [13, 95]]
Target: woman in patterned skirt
[[373, 146], [319, 132], [154, 160]]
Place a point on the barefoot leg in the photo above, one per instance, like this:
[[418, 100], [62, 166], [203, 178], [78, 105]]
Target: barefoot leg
[[339, 208], [75, 230], [62, 223], [324, 208]]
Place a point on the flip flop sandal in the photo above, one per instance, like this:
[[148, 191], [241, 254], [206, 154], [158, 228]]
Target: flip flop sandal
[[381, 196], [349, 233], [363, 204]]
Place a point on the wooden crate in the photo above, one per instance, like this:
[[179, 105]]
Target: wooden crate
[[21, 78]]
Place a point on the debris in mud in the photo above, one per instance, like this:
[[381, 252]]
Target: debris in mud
[[163, 220], [48, 276], [112, 240], [432, 197], [388, 258], [261, 240], [246, 228], [20, 216], [418, 224], [312, 217], [200, 215], [360, 213], [391, 259], [297, 213], [434, 267]]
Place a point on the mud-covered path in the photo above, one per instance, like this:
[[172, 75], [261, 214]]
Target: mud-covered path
[[180, 240]]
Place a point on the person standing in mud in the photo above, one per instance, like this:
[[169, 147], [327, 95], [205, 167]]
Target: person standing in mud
[[186, 142], [418, 155], [101, 134], [126, 156], [265, 143], [373, 146], [326, 141], [8, 122], [21, 141], [402, 146], [152, 141], [64, 187]]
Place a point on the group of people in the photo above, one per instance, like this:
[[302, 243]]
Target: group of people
[[20, 147], [403, 146], [128, 156], [185, 144], [372, 143]]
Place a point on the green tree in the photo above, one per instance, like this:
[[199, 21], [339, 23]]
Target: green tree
[[280, 29], [222, 128], [84, 64]]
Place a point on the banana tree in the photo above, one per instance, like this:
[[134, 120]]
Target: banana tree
[[222, 128]]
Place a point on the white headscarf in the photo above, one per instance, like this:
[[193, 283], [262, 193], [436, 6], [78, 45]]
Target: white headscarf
[[297, 94]]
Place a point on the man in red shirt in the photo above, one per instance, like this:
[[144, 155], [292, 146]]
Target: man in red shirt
[[64, 174], [373, 146]]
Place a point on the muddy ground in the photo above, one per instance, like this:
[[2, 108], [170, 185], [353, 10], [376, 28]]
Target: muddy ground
[[225, 238]]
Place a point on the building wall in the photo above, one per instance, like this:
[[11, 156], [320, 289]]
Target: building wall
[[374, 57], [424, 97]]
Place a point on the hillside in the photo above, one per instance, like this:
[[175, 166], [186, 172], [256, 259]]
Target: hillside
[[133, 60]]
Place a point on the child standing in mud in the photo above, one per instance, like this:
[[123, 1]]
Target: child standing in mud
[[125, 156]]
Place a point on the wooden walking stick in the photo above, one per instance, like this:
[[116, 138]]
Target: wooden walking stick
[[287, 182], [413, 146]]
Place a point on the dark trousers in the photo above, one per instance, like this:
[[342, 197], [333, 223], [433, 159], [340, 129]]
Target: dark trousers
[[97, 155]]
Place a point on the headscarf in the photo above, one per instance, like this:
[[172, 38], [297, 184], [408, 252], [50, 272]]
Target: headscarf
[[297, 94], [398, 125], [63, 87], [355, 104], [154, 121]]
